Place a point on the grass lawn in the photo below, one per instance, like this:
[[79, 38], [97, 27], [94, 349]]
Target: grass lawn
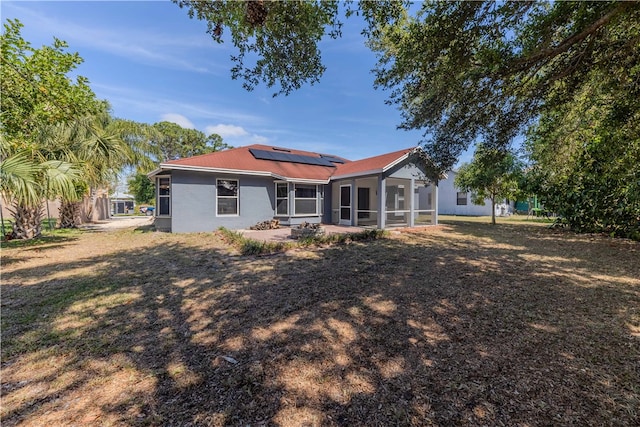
[[460, 324]]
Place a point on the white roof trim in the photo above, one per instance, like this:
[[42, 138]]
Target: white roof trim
[[307, 181], [357, 174], [397, 161]]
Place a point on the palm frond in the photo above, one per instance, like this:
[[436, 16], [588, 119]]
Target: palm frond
[[60, 179], [18, 179]]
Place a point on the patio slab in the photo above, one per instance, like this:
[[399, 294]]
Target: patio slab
[[284, 234]]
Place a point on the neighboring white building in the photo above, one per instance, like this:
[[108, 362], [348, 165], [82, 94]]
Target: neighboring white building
[[452, 201], [121, 203]]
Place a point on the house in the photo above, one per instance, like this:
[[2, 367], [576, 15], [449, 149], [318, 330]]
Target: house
[[240, 187], [452, 201], [121, 203]]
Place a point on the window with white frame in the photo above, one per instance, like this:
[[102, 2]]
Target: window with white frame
[[227, 197], [305, 199], [282, 199], [164, 196], [461, 198]]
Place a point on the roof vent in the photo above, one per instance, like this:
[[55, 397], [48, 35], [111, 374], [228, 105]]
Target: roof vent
[[286, 150]]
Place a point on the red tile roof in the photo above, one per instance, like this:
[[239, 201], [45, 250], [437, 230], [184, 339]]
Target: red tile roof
[[371, 164], [240, 159]]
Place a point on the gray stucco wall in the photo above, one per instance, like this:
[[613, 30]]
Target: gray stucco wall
[[407, 170], [193, 202]]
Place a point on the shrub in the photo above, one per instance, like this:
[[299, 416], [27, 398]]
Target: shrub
[[248, 246]]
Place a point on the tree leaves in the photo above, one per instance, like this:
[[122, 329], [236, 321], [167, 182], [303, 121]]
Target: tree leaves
[[174, 142], [492, 174], [277, 41], [279, 38], [35, 84], [464, 71]]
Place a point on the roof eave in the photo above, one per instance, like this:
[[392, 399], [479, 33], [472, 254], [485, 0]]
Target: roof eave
[[305, 180], [357, 174], [154, 172], [166, 166]]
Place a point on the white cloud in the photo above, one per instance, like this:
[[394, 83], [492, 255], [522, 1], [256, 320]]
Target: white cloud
[[130, 102], [226, 131], [259, 139], [239, 135], [178, 119]]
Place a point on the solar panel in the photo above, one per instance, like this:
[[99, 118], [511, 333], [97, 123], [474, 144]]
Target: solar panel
[[332, 159], [261, 154], [290, 158]]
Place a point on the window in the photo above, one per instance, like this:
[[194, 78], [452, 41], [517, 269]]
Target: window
[[164, 196], [227, 196], [306, 199], [462, 198], [282, 198]]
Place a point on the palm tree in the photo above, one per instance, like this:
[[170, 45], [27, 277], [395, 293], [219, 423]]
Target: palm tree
[[101, 147], [25, 181], [99, 152]]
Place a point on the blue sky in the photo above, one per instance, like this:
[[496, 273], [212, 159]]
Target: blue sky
[[153, 63]]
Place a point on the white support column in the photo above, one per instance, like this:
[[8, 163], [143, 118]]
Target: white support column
[[412, 212], [291, 201], [382, 197]]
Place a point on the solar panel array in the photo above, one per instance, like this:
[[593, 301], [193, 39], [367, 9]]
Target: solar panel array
[[332, 159], [291, 158]]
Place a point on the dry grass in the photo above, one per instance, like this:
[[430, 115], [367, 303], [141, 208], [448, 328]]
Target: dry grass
[[461, 324]]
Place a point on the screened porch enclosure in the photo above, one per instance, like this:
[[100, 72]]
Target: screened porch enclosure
[[383, 203]]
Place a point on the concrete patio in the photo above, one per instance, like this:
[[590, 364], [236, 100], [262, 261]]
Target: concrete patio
[[284, 234]]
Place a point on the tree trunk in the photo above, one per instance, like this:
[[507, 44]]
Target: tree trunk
[[493, 210], [69, 214], [28, 222]]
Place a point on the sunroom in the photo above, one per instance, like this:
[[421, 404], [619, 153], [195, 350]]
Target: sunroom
[[384, 202], [382, 195]]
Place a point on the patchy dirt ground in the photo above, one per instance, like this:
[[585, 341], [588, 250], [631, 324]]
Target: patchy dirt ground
[[463, 324]]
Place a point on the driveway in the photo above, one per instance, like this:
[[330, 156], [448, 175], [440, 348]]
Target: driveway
[[118, 222]]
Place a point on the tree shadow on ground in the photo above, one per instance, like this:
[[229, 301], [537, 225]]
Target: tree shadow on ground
[[429, 329], [40, 243]]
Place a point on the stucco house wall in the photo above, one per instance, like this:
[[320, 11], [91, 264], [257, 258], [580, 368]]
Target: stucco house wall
[[193, 202]]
